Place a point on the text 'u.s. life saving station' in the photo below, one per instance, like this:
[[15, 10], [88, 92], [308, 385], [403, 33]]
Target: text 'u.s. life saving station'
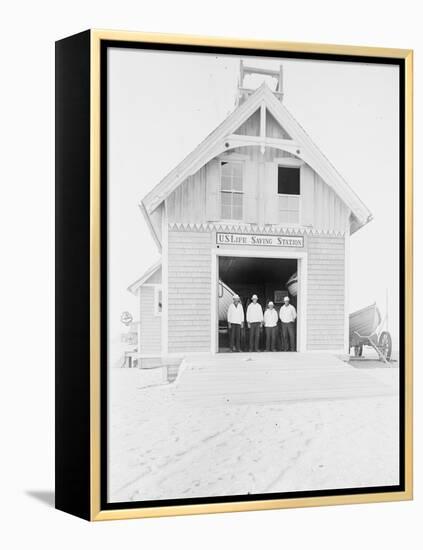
[[259, 240]]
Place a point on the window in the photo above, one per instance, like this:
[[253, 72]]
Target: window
[[288, 180], [158, 303], [289, 194], [231, 190]]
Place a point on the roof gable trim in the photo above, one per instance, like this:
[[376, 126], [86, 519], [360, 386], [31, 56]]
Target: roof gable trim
[[223, 138], [133, 288]]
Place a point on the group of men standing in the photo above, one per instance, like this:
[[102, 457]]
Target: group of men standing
[[256, 320]]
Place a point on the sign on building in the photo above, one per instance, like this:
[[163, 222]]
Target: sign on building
[[246, 239]]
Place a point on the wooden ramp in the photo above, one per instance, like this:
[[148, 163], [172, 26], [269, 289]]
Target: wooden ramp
[[252, 378]]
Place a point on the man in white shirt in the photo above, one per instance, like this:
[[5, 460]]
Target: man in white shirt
[[235, 323], [288, 315], [255, 322], [270, 326]]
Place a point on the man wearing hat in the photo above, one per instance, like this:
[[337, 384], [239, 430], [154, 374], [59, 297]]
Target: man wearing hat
[[270, 326], [255, 322], [288, 315], [235, 323]]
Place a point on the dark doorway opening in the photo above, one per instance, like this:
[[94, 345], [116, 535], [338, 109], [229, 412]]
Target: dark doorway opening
[[270, 278]]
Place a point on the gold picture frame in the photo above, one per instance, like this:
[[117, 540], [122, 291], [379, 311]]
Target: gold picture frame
[[88, 503]]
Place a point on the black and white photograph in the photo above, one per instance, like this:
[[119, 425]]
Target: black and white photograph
[[210, 285], [253, 276]]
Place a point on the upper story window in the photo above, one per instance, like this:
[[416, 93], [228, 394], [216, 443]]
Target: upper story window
[[231, 190], [288, 180], [289, 194]]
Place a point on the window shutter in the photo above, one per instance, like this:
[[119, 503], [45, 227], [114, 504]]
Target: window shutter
[[250, 191], [270, 194], [307, 195], [212, 190]]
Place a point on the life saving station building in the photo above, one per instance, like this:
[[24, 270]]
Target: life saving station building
[[255, 203]]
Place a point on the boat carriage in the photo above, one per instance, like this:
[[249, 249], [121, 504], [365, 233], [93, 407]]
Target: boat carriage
[[366, 330]]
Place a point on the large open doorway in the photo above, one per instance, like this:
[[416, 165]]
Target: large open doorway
[[270, 278]]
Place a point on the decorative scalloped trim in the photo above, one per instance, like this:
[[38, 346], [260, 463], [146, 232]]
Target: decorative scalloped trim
[[256, 229]]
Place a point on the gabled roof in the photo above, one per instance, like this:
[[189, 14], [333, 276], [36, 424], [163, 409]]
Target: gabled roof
[[139, 282], [300, 145]]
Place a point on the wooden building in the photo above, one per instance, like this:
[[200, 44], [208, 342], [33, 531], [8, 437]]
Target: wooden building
[[254, 203]]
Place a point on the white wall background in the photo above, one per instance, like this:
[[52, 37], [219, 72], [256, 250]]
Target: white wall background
[[26, 217]]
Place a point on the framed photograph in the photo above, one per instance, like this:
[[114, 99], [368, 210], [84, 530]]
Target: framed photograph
[[234, 275]]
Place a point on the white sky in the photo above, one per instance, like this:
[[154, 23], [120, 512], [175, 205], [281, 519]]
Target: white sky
[[161, 105]]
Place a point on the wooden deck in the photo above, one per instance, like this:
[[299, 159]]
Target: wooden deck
[[252, 378]]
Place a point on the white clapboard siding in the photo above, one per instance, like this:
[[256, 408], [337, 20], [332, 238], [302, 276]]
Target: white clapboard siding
[[307, 195], [150, 324], [197, 199], [251, 127], [274, 129], [189, 310], [188, 202], [250, 191], [325, 292], [330, 213], [270, 193], [212, 199], [155, 278]]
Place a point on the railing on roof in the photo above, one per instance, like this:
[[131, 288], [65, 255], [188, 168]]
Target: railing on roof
[[244, 70]]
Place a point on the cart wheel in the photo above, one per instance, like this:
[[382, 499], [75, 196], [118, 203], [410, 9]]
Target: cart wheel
[[385, 344], [358, 350]]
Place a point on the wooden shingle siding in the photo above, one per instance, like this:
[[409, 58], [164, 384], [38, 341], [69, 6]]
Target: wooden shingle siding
[[150, 324], [325, 292], [189, 312]]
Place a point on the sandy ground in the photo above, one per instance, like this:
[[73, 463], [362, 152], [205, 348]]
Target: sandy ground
[[161, 447]]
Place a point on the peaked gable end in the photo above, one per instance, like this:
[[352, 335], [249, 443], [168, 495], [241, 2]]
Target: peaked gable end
[[261, 121]]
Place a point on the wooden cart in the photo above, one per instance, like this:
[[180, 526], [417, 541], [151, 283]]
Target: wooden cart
[[367, 328]]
